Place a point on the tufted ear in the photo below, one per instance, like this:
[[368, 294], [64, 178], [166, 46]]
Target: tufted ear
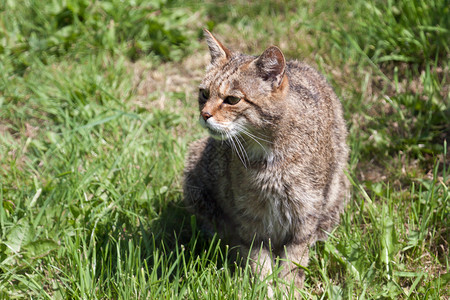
[[272, 65], [216, 49]]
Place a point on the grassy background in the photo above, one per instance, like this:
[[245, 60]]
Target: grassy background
[[98, 105]]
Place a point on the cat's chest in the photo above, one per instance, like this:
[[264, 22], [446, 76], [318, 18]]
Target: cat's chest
[[261, 199]]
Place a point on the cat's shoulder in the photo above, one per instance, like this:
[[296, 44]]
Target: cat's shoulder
[[202, 149], [197, 147]]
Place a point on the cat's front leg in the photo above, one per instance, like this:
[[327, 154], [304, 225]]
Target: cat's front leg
[[291, 273], [261, 263]]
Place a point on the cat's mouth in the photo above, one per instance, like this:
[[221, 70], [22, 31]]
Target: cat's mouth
[[215, 130]]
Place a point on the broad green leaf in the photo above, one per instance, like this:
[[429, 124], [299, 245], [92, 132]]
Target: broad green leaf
[[17, 236], [40, 247]]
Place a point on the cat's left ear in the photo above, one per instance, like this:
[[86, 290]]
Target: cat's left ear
[[217, 50], [272, 65]]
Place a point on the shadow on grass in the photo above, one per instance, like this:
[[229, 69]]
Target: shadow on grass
[[176, 229], [166, 247]]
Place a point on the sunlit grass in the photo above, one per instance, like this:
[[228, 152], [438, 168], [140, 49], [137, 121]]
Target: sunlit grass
[[91, 160]]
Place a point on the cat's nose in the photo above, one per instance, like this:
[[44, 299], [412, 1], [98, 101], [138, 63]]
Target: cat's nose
[[206, 115]]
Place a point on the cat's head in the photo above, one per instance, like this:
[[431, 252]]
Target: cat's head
[[240, 94]]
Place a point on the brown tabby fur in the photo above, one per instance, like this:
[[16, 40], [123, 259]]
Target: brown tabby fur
[[272, 173]]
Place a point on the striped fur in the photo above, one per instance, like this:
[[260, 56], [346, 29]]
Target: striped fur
[[272, 172]]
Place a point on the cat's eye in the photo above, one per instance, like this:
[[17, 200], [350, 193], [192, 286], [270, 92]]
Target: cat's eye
[[203, 95], [232, 100]]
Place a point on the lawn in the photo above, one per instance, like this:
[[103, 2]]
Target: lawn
[[98, 106]]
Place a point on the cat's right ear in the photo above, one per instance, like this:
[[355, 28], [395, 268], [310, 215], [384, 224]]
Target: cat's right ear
[[272, 65], [217, 50]]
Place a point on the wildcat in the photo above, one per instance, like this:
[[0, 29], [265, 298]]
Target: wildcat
[[270, 178]]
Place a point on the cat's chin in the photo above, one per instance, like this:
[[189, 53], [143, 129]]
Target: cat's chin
[[217, 136]]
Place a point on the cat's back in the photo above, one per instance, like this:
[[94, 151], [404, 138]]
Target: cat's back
[[303, 77], [312, 95]]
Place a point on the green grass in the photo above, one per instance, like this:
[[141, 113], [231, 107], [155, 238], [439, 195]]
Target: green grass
[[97, 108]]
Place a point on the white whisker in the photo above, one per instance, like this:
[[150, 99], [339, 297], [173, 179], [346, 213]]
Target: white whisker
[[255, 139], [242, 130], [243, 152], [238, 151], [248, 133], [243, 127]]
